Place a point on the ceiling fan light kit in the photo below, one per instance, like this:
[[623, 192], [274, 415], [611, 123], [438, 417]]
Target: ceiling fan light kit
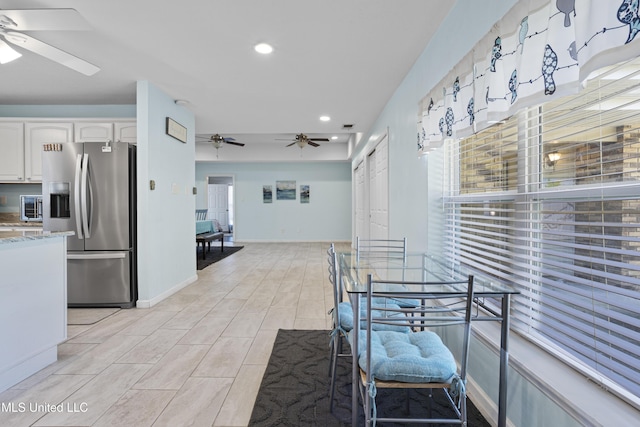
[[217, 141], [301, 140], [7, 54], [13, 21]]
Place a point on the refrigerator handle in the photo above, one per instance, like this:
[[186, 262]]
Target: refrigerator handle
[[86, 192], [94, 256], [76, 197]]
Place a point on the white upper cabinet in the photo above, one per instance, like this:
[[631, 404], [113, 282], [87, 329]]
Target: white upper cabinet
[[126, 132], [37, 134], [12, 149], [96, 131], [21, 141]]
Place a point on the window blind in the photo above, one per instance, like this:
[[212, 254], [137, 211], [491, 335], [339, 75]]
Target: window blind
[[549, 202]]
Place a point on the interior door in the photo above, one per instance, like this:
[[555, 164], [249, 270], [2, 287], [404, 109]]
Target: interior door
[[378, 170], [359, 208], [219, 204]]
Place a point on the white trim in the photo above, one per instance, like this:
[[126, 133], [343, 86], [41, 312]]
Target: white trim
[[288, 241], [166, 294]]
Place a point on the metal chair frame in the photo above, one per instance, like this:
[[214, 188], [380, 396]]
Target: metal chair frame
[[446, 309], [389, 248], [337, 333]]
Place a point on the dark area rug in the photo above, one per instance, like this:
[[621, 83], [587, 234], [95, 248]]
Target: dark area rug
[[295, 388], [214, 255]]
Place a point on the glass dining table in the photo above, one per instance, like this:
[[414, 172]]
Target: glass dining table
[[423, 267]]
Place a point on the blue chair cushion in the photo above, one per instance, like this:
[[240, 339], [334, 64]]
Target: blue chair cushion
[[402, 302], [417, 357], [345, 314]]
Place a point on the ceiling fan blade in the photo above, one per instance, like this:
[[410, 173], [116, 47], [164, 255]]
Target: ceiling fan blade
[[43, 20], [7, 54], [240, 144], [228, 139], [290, 144], [50, 52], [313, 144], [319, 139]]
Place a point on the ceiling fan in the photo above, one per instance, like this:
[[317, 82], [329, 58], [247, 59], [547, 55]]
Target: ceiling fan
[[14, 22], [301, 140], [217, 140]]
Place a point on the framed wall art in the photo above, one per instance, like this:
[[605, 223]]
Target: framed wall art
[[285, 190], [176, 130], [267, 194], [304, 193]]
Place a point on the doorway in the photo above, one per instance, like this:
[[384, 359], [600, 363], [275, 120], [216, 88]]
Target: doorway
[[220, 203]]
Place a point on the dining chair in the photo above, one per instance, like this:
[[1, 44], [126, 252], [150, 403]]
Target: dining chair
[[339, 329], [343, 320], [419, 359], [388, 248], [384, 249]]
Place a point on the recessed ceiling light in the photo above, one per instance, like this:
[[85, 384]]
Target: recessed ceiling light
[[325, 118], [263, 48], [334, 137]]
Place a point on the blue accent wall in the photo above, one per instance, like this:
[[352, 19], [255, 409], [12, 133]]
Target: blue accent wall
[[327, 216]]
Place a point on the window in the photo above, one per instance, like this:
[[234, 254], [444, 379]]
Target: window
[[549, 202]]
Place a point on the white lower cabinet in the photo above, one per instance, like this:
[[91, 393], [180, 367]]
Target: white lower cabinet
[[33, 306]]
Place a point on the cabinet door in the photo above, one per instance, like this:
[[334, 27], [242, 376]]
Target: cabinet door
[[38, 134], [89, 132], [126, 132], [12, 149]]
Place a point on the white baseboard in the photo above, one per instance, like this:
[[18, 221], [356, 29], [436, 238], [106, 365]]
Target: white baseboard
[[166, 294], [236, 241]]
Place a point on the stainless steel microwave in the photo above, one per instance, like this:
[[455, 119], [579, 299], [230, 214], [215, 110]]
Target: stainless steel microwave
[[31, 208]]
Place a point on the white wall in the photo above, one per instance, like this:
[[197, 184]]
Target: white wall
[[166, 218], [327, 217]]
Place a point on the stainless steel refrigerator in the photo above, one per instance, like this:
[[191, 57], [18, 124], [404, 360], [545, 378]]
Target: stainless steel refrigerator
[[90, 188]]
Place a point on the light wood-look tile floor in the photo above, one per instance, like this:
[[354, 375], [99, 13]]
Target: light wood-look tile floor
[[195, 359]]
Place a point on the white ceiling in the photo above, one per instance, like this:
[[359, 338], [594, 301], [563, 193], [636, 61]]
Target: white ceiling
[[342, 58]]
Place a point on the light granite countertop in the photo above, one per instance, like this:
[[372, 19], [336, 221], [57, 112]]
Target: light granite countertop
[[27, 235]]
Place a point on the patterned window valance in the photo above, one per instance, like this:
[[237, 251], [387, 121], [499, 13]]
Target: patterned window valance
[[539, 49]]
